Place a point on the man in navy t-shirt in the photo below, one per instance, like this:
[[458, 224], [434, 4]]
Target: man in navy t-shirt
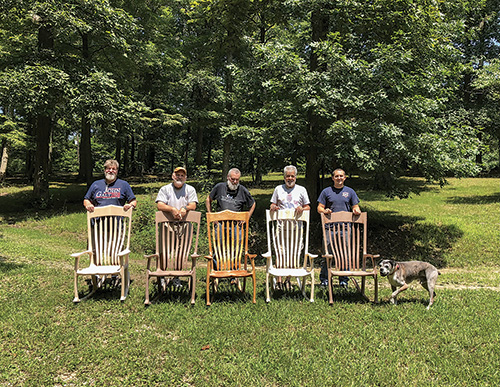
[[335, 199], [110, 190]]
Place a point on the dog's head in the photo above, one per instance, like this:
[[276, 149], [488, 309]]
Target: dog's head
[[386, 267]]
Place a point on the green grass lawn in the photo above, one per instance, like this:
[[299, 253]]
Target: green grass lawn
[[46, 340]]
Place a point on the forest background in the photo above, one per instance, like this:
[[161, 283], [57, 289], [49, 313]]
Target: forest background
[[387, 88]]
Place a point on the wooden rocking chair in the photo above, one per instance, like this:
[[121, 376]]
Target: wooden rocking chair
[[228, 245], [175, 255], [108, 248], [344, 237], [288, 238]]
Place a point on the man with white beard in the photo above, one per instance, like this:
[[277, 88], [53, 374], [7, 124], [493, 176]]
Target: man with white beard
[[177, 197], [110, 190], [289, 196], [231, 195]]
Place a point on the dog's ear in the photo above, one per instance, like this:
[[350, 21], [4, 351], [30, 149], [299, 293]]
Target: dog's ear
[[379, 263], [392, 262]]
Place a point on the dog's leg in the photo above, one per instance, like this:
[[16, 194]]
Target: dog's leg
[[429, 285], [395, 293]]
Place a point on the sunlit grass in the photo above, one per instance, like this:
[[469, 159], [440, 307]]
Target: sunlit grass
[[45, 340]]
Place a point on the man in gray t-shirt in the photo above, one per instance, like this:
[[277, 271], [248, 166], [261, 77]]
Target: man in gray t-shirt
[[177, 197]]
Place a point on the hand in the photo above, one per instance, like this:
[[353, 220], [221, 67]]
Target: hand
[[299, 210], [327, 211], [128, 206], [90, 208], [274, 207], [356, 211]]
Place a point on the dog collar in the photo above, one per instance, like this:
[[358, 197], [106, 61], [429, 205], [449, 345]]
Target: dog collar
[[397, 267]]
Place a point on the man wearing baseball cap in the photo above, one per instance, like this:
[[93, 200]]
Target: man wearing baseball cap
[[177, 197]]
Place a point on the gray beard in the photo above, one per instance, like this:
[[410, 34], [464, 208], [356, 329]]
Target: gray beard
[[231, 186]]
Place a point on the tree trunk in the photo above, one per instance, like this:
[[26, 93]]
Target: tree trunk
[[41, 172], [319, 31], [43, 128], [5, 160], [86, 164]]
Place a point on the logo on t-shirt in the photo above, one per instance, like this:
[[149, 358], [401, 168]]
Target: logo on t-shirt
[[345, 194]]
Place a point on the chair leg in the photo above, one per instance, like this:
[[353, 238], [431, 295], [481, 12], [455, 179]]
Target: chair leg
[[375, 279], [254, 287], [330, 287], [147, 302], [208, 289], [268, 299], [125, 282], [77, 298], [312, 286], [192, 281]]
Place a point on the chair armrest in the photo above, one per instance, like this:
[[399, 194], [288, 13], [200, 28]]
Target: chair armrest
[[309, 258], [124, 252], [148, 258], [373, 257], [76, 255], [209, 257]]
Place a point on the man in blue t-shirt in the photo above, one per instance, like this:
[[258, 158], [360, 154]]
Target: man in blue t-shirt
[[335, 199], [110, 190]]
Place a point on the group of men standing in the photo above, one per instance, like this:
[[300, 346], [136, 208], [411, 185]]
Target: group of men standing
[[179, 197]]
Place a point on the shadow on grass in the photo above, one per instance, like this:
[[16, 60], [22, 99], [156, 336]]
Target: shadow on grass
[[405, 238], [485, 199], [6, 266]]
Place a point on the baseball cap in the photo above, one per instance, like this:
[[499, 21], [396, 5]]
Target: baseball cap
[[180, 169]]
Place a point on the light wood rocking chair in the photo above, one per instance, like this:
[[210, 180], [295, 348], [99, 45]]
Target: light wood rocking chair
[[108, 231], [175, 253], [345, 239], [288, 238]]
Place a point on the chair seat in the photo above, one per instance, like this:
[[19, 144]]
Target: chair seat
[[356, 273], [175, 273], [230, 273], [300, 272], [100, 270]]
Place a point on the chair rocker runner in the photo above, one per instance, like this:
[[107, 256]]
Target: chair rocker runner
[[108, 231], [288, 243], [175, 255], [345, 239], [228, 246]]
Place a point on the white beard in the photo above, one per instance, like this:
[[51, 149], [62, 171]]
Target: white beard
[[231, 186]]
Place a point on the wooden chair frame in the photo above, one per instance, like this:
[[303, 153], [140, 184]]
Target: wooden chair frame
[[230, 253], [288, 238], [174, 243], [108, 230], [347, 234]]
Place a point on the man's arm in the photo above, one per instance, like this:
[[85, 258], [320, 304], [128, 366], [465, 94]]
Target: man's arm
[[131, 204], [208, 203], [251, 210], [322, 210], [88, 205]]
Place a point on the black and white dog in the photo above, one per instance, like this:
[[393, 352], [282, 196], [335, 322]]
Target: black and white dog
[[400, 274]]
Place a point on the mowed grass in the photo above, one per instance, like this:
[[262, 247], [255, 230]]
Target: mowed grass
[[46, 340]]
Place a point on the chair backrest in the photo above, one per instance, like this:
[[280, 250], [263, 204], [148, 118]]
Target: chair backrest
[[108, 233], [344, 236], [288, 236], [228, 238], [174, 239]]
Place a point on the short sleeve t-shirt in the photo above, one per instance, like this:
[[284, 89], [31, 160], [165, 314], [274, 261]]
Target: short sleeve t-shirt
[[234, 200], [338, 199], [177, 198], [117, 193], [294, 197]]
